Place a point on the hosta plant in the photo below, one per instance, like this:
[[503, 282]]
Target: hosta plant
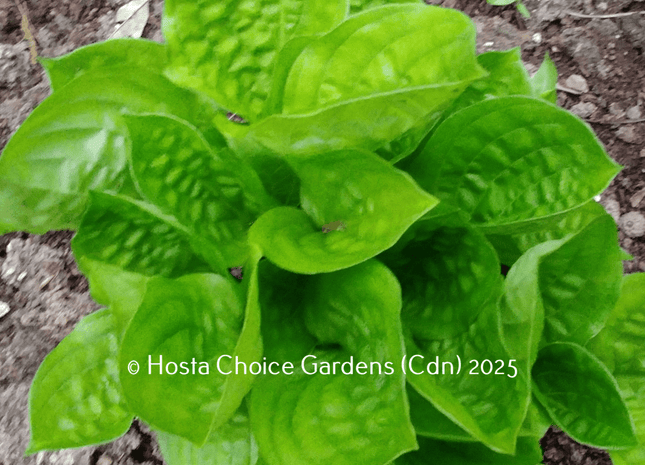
[[327, 232]]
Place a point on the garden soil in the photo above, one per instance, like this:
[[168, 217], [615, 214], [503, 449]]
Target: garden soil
[[597, 47]]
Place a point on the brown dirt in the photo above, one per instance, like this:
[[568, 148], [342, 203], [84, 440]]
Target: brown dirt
[[47, 295]]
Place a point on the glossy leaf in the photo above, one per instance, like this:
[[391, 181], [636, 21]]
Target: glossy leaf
[[506, 76], [136, 237], [582, 396], [488, 399], [513, 163], [545, 80], [395, 63], [429, 422], [339, 418], [214, 195], [447, 279], [232, 444], [621, 346], [110, 55], [75, 142], [358, 194], [76, 398], [580, 282], [193, 318], [122, 291], [227, 49], [454, 453]]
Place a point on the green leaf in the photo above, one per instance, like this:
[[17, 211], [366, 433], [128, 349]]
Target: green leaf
[[582, 396], [487, 398], [506, 76], [580, 282], [227, 49], [339, 418], [232, 444], [513, 163], [527, 14], [356, 6], [621, 346], [358, 195], [546, 78], [456, 453], [500, 2], [446, 279], [522, 311], [75, 142], [136, 237], [196, 318], [110, 55], [213, 194], [429, 422], [396, 63], [75, 398], [281, 297], [122, 291]]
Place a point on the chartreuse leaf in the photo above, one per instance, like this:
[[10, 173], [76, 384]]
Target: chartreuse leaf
[[111, 54], [377, 76], [511, 247], [232, 444], [213, 194], [446, 279], [433, 451], [136, 237], [74, 142], [75, 398], [122, 291], [429, 422], [571, 223], [621, 346], [227, 49], [582, 396], [451, 285], [506, 76], [580, 282], [472, 379], [513, 163], [356, 6], [322, 418], [521, 306], [196, 318], [545, 80], [356, 198]]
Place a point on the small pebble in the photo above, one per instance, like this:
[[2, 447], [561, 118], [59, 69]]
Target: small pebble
[[578, 83], [602, 6], [4, 308], [633, 112], [104, 460], [583, 109], [626, 134], [537, 38], [642, 153], [633, 224]]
